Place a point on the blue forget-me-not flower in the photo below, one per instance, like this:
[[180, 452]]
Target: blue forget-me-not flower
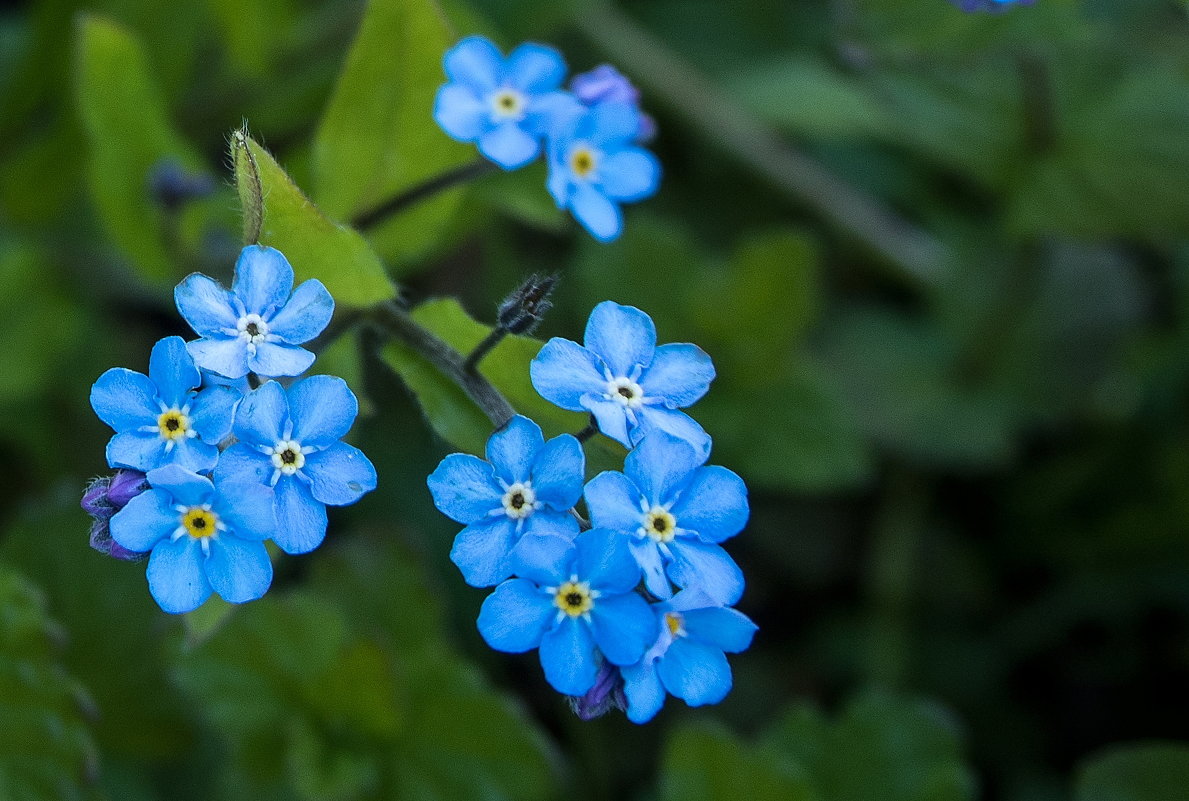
[[595, 164], [574, 602], [506, 105], [257, 326], [605, 84], [290, 440], [687, 659], [525, 490], [204, 536], [624, 379], [163, 418], [673, 512]]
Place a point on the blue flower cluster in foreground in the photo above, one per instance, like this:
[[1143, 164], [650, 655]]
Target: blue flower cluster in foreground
[[210, 468], [635, 604], [514, 109], [989, 5]]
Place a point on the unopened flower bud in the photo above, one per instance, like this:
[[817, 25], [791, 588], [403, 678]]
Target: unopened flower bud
[[524, 309], [102, 499], [172, 187], [604, 84], [605, 695]]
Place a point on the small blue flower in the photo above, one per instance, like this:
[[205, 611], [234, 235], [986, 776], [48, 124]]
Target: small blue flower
[[162, 418], [595, 164], [629, 384], [687, 659], [505, 104], [203, 536], [525, 490], [674, 512], [257, 326], [605, 84], [574, 602], [290, 441]]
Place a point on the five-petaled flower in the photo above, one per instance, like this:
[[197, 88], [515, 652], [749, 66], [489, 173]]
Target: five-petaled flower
[[163, 418], [203, 537], [525, 490], [687, 659], [290, 441], [574, 602], [506, 105], [258, 326], [630, 385], [674, 512]]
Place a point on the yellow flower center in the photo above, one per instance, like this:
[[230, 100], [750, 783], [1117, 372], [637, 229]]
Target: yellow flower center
[[676, 623], [583, 162], [173, 424], [507, 104], [200, 522], [574, 598], [660, 525]]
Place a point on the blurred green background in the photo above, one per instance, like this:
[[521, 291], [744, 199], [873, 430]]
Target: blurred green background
[[941, 262]]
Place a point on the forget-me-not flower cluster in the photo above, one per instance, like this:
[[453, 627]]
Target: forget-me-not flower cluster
[[210, 468], [514, 109], [636, 603]]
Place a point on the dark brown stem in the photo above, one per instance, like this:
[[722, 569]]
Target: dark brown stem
[[422, 191]]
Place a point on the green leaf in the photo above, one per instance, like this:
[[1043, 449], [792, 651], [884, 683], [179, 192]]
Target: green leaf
[[316, 247], [705, 763], [248, 29], [377, 137], [128, 130], [1145, 771]]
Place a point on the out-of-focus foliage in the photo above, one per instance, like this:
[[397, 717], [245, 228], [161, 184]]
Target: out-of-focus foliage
[[969, 478]]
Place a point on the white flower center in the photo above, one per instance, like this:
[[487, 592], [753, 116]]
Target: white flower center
[[519, 501], [626, 392], [659, 525], [288, 457], [252, 328], [507, 104]]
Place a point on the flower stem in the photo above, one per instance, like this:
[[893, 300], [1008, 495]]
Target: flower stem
[[422, 191], [483, 348], [399, 323], [591, 429]]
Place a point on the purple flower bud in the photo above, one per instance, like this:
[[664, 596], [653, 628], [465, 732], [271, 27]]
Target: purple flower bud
[[172, 187], [102, 499], [602, 84], [605, 695]]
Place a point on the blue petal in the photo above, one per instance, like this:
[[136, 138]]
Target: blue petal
[[623, 336], [644, 691], [172, 369], [713, 503], [185, 486], [125, 399], [274, 359], [340, 474], [481, 551], [568, 657], [509, 146], [239, 570], [212, 413], [301, 520], [696, 673], [552, 113], [547, 523], [226, 356], [726, 629], [177, 579], [597, 213], [543, 559], [241, 463], [322, 408], [304, 315], [464, 488], [475, 62], [660, 466], [605, 561], [611, 418], [613, 123], [558, 180], [629, 175], [206, 306], [564, 371], [705, 566], [680, 373], [146, 519], [262, 416], [263, 279], [623, 627], [534, 68], [558, 472], [137, 450], [614, 502], [192, 454], [461, 113], [679, 425], [247, 507], [513, 448], [648, 555], [515, 616]]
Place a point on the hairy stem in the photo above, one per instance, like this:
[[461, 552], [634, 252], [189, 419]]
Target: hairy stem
[[422, 191], [471, 365]]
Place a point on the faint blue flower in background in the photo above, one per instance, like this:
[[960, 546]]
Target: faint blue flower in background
[[524, 490], [257, 326], [290, 440], [687, 659], [595, 164], [506, 105], [203, 537], [575, 602], [162, 418], [674, 512], [620, 376], [605, 84]]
